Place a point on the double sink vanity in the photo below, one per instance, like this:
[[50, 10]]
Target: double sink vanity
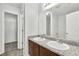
[[40, 46]]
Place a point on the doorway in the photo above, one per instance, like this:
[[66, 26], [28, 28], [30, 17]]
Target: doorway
[[11, 35], [10, 31]]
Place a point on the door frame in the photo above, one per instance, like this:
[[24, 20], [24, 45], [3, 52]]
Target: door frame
[[3, 27]]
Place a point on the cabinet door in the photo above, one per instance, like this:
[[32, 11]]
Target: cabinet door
[[33, 49], [30, 48], [46, 52]]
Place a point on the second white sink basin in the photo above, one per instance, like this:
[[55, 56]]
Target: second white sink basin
[[39, 39], [58, 46]]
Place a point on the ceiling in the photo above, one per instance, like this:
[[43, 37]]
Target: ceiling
[[18, 5], [65, 8], [60, 8]]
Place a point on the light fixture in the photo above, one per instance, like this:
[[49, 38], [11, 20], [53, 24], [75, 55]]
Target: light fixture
[[49, 6]]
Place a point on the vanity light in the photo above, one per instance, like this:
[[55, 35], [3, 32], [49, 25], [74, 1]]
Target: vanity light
[[45, 7]]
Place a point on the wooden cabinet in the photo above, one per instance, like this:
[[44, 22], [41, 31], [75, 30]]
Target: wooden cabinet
[[46, 52], [33, 49], [37, 50], [30, 47]]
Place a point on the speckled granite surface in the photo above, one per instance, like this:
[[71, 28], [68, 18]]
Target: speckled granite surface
[[72, 51]]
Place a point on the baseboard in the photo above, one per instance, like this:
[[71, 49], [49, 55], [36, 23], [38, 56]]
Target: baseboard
[[11, 42]]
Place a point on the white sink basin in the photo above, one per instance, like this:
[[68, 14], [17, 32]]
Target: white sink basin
[[39, 39], [57, 45]]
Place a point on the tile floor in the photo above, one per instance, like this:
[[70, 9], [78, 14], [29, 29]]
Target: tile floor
[[13, 53], [11, 50]]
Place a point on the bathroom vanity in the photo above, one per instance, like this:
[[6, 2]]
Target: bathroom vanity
[[37, 50], [42, 48]]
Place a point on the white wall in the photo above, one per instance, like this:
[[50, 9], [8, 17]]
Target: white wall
[[61, 26], [1, 41], [72, 26], [41, 20], [42, 23], [32, 17], [31, 22]]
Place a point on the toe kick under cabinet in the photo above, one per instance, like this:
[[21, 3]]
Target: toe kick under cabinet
[[37, 50]]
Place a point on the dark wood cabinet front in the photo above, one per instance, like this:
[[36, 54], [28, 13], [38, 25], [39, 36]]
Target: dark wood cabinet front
[[30, 48], [37, 50], [46, 52], [33, 49]]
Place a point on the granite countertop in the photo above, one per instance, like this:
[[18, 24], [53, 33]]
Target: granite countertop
[[72, 51]]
